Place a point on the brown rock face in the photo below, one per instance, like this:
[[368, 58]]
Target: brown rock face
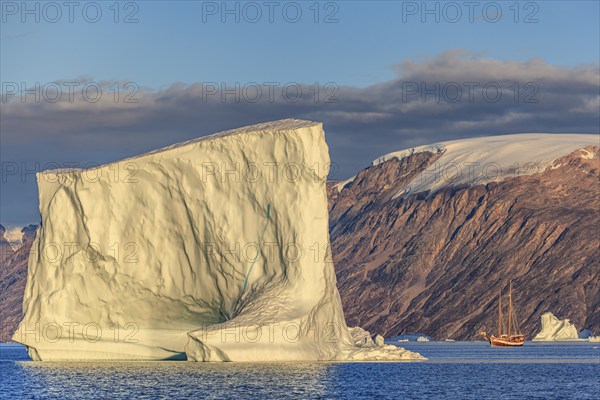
[[433, 263], [13, 276]]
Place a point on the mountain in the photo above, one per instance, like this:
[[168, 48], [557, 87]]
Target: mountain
[[424, 238], [5, 248], [13, 276]]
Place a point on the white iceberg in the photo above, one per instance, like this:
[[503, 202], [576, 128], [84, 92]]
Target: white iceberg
[[554, 329], [216, 249]]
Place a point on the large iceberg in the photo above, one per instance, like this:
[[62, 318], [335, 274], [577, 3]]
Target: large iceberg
[[555, 329], [216, 249]]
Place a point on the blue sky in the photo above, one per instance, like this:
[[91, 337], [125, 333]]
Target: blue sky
[[171, 43], [368, 50]]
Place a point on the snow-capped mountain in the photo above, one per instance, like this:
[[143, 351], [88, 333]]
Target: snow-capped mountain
[[423, 238], [13, 276]]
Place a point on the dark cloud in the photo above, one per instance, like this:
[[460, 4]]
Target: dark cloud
[[421, 105]]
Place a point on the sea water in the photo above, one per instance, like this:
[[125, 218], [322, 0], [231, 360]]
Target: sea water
[[455, 370]]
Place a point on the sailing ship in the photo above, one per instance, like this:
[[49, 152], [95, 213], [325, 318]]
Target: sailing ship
[[511, 337]]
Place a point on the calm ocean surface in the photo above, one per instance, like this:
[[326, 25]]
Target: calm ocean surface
[[455, 370]]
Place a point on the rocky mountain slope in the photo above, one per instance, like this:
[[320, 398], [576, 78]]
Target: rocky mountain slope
[[13, 276], [432, 261]]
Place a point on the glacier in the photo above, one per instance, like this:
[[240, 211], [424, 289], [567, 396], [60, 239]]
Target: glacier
[[480, 160], [214, 249], [554, 329]]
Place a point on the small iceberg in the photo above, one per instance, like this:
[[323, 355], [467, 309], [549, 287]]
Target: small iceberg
[[554, 329]]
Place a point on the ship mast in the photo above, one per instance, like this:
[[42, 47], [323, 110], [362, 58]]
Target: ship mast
[[499, 312], [509, 306]]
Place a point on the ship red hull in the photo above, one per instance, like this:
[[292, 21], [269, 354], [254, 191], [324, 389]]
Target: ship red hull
[[513, 342]]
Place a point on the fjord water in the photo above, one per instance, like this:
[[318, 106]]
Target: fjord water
[[467, 370]]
